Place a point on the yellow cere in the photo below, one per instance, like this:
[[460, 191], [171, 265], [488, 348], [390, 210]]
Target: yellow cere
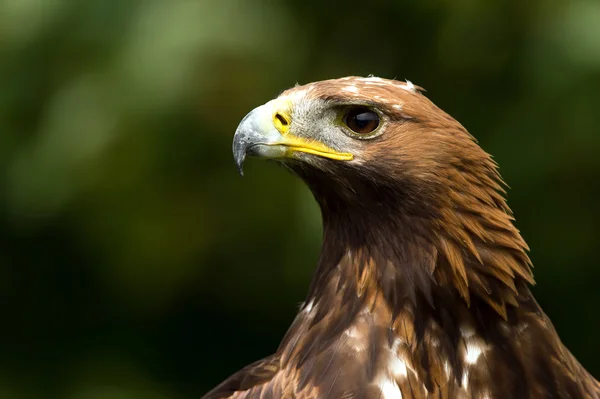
[[282, 115]]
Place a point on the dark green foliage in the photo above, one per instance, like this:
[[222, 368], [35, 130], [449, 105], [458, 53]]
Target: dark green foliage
[[136, 263]]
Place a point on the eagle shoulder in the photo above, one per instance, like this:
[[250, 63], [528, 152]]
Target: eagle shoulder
[[248, 382]]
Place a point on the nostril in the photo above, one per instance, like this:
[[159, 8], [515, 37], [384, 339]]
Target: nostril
[[282, 119]]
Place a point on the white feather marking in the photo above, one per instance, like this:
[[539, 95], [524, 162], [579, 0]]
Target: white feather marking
[[389, 389], [398, 367], [352, 332], [447, 369], [396, 345], [473, 353], [373, 80], [409, 86], [465, 380], [309, 306], [522, 327], [351, 89], [354, 340], [397, 106]]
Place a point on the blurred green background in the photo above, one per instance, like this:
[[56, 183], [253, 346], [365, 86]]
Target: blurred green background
[[133, 261]]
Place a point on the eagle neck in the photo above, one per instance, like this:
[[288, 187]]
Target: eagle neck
[[410, 261]]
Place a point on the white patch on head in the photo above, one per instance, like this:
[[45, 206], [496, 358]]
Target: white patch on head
[[397, 106], [351, 89], [409, 86], [373, 79], [389, 389], [473, 352]]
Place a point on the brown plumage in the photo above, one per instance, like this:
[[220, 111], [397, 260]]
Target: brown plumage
[[422, 286]]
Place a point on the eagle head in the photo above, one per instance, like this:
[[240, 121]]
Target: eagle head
[[374, 147]]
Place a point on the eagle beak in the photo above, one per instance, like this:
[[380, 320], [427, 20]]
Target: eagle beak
[[264, 133]]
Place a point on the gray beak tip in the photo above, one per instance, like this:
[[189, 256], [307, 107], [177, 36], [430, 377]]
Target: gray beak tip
[[247, 135], [240, 145], [239, 156]]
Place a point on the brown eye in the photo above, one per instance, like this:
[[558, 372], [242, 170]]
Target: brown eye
[[361, 120]]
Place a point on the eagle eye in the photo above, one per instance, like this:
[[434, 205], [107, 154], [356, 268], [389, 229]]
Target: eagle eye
[[361, 120]]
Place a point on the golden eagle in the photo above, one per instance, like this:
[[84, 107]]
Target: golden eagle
[[422, 285]]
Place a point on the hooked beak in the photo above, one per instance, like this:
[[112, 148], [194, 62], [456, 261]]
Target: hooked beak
[[264, 133]]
